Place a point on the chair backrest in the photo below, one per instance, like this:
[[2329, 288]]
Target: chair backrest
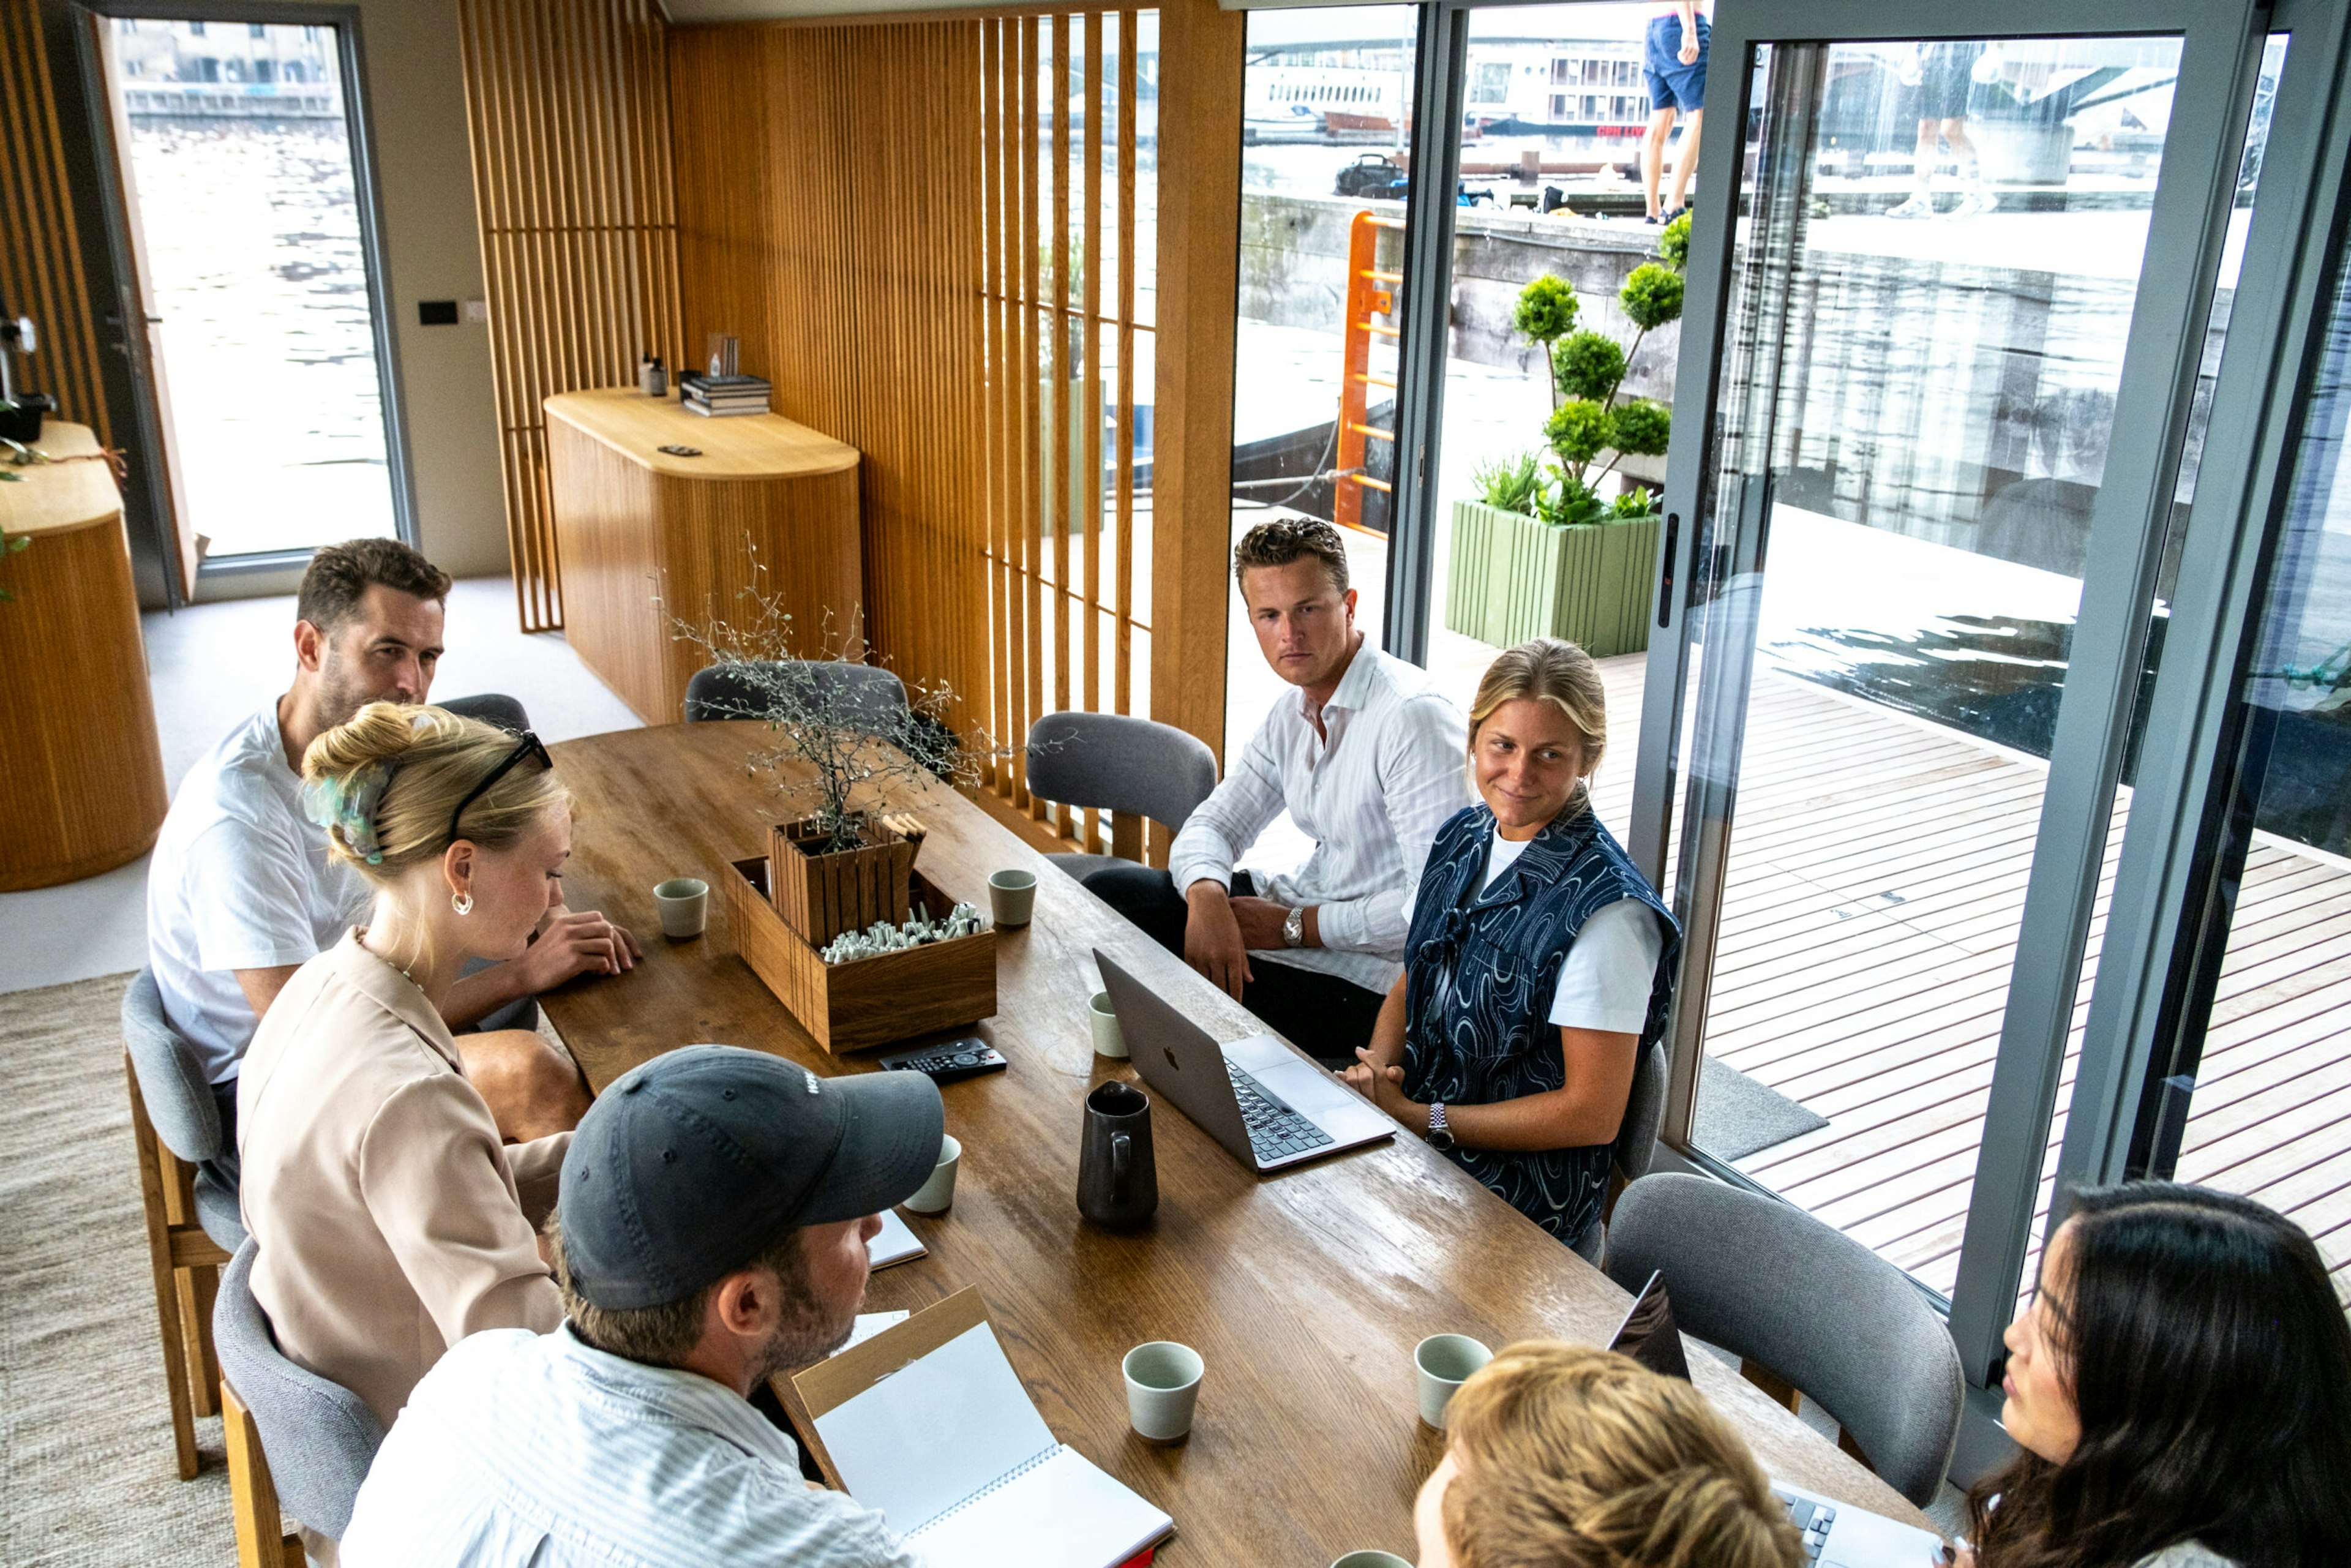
[[1644, 1112], [1772, 1285], [1114, 762], [734, 691], [319, 1436], [171, 1082], [491, 707]]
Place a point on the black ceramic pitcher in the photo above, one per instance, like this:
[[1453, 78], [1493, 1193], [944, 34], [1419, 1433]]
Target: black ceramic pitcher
[[1118, 1180]]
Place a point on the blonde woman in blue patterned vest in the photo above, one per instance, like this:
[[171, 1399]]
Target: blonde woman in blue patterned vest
[[1540, 961]]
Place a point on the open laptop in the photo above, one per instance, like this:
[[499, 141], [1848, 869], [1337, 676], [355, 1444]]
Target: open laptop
[[1836, 1534], [1268, 1107]]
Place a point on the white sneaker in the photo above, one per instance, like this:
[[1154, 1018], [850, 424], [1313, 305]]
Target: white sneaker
[[1915, 207], [1975, 203]]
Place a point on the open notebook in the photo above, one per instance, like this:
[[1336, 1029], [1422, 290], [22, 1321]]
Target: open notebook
[[927, 1422]]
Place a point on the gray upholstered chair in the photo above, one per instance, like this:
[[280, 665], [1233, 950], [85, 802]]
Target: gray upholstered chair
[[1130, 767], [491, 707], [1804, 1307], [727, 691], [1644, 1112], [192, 1223], [295, 1438]]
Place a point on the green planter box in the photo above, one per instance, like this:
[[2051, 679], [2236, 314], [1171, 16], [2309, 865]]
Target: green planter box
[[1514, 578]]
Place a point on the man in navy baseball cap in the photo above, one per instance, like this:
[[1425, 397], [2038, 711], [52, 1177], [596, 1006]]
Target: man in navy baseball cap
[[711, 1233]]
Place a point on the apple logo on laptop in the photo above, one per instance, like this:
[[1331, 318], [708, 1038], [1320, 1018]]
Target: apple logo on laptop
[[1170, 1054]]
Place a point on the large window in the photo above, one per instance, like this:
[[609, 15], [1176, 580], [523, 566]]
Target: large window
[[1962, 307], [249, 236]]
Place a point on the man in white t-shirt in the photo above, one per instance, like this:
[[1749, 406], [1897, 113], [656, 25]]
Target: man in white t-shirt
[[241, 892]]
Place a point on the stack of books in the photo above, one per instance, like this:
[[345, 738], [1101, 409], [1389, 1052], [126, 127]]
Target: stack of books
[[718, 397]]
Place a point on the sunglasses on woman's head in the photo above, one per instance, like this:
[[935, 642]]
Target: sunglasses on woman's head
[[529, 746]]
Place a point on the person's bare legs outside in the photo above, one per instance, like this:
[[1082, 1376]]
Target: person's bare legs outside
[[1685, 164], [1652, 158]]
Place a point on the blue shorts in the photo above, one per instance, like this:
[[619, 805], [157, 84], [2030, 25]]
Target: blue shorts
[[1673, 85]]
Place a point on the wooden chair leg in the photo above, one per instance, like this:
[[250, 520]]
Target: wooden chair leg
[[198, 1287], [173, 1325], [261, 1539]]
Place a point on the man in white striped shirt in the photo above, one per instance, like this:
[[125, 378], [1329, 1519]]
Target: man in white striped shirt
[[1368, 760], [711, 1233]]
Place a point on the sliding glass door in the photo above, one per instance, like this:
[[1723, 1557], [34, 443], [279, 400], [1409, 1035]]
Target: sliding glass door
[[1937, 374]]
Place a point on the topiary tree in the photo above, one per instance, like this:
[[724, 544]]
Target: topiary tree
[[1587, 376]]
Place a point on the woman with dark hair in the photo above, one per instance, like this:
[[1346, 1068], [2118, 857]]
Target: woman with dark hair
[[2181, 1388]]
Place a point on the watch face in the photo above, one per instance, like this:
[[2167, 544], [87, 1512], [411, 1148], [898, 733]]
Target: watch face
[[1441, 1140]]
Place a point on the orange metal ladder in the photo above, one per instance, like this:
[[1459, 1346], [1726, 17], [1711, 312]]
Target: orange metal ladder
[[1369, 293]]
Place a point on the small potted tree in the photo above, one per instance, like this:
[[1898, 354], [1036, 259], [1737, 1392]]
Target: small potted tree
[[839, 756], [1543, 551]]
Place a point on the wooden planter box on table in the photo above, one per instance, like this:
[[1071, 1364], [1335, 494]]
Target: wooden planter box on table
[[865, 1001], [1516, 576], [820, 896]]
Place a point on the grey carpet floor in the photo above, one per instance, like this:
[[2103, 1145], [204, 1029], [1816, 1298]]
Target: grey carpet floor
[[86, 1478], [1737, 1116]]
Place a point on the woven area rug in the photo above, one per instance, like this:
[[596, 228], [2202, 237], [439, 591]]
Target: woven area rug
[[87, 1476]]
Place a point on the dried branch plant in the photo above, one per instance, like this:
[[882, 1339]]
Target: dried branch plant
[[863, 751]]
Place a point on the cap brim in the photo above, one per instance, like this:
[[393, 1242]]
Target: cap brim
[[889, 1147]]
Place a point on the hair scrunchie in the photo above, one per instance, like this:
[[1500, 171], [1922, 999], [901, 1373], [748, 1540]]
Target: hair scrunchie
[[350, 803]]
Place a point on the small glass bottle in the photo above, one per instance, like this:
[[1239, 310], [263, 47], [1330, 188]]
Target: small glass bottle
[[652, 379]]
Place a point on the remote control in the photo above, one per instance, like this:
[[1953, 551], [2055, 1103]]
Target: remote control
[[949, 1063]]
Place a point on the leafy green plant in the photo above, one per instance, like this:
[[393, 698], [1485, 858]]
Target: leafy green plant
[[1589, 415], [9, 545], [1510, 484]]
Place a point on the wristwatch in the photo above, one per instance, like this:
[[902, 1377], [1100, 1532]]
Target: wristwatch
[[1441, 1136], [1293, 929]]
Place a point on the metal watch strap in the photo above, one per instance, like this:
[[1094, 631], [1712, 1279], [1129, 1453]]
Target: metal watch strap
[[1293, 929], [1437, 1128]]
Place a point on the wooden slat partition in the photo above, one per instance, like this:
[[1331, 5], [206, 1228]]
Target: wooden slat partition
[[568, 105], [909, 224], [43, 273]]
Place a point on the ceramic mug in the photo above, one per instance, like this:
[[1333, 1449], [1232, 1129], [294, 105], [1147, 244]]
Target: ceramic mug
[[1012, 897], [936, 1195], [1104, 1020], [684, 906], [1162, 1388], [1371, 1560], [1443, 1363]]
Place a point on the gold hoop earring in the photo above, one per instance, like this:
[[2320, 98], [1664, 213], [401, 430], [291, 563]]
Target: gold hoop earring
[[462, 902]]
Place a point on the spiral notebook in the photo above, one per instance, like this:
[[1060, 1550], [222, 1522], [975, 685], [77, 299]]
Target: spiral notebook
[[927, 1423]]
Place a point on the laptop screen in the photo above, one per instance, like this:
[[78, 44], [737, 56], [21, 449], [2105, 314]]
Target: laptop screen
[[1648, 1333]]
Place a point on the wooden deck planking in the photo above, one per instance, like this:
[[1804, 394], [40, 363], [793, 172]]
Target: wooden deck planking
[[1885, 1016]]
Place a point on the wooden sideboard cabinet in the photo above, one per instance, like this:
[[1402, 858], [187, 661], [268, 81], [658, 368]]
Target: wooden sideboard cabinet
[[81, 770], [643, 535]]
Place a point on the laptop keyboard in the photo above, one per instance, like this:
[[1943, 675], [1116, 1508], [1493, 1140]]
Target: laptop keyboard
[[1275, 1132], [1811, 1518]]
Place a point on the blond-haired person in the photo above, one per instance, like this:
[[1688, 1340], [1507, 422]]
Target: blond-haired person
[[389, 1219], [1540, 961], [1561, 1456]]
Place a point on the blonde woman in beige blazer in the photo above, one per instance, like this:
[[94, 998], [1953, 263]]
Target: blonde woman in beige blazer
[[390, 1220]]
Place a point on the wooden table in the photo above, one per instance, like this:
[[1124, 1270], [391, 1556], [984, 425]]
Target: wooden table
[[81, 770], [633, 523], [1305, 1291]]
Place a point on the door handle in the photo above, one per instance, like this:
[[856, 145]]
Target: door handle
[[1665, 571]]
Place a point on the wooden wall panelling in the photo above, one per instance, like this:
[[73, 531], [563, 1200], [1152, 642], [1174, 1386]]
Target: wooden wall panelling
[[1127, 834], [567, 109], [1032, 373], [829, 207], [42, 271], [1200, 66], [944, 335], [1090, 455]]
